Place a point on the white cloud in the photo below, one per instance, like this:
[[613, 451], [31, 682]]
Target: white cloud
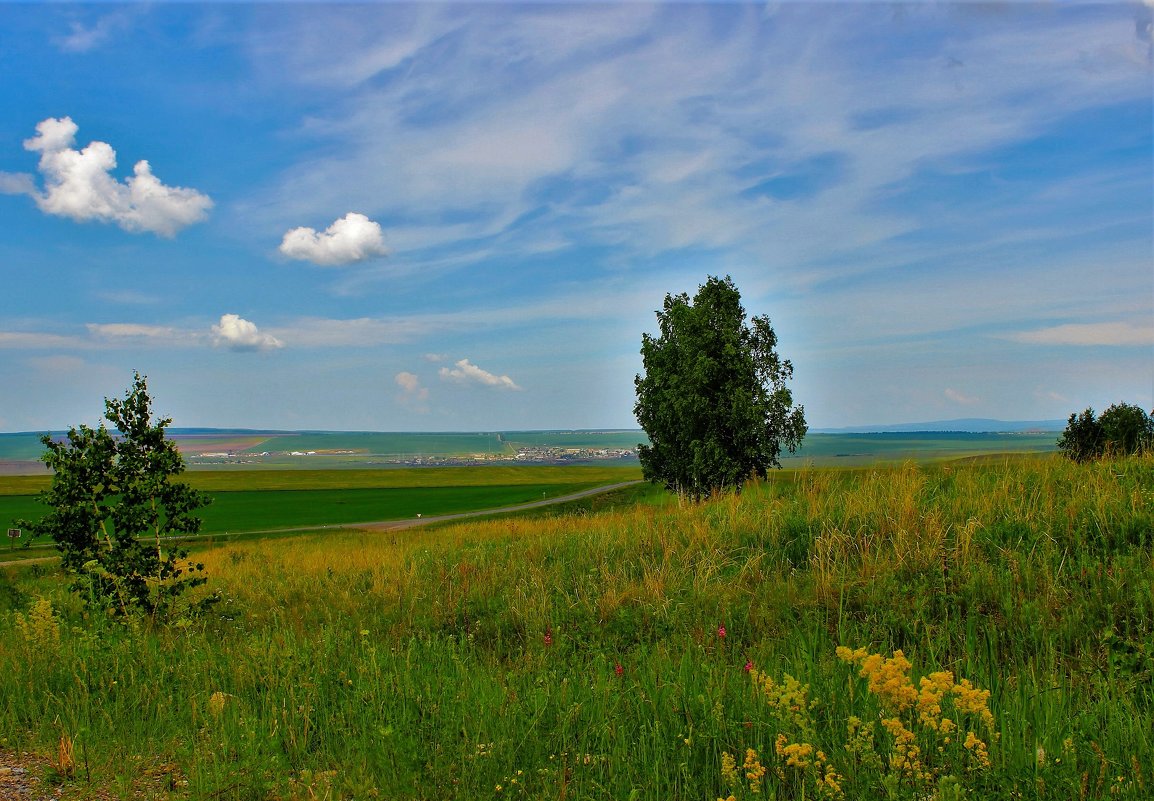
[[412, 393], [17, 183], [28, 340], [132, 330], [81, 38], [468, 373], [1116, 334], [359, 332], [142, 335], [237, 333], [960, 397], [350, 239], [409, 382], [78, 184], [565, 124]]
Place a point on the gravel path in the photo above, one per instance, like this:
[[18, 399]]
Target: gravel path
[[20, 778]]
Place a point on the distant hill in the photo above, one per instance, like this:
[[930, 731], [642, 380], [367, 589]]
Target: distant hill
[[967, 424]]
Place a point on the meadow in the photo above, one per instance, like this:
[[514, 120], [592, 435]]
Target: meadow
[[943, 630]]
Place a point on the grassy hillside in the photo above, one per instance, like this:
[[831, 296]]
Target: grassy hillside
[[656, 652]]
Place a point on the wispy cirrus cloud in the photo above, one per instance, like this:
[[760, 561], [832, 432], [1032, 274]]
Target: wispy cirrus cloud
[[38, 340], [84, 37], [136, 331], [1110, 334], [579, 124]]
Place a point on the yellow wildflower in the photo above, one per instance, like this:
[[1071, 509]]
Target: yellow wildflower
[[971, 700], [978, 748], [754, 771], [789, 699], [846, 655], [829, 783], [933, 689], [906, 756], [40, 628], [796, 755], [728, 768], [216, 703]]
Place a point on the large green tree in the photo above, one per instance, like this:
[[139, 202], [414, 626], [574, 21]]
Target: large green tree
[[1122, 429], [114, 502], [713, 399]]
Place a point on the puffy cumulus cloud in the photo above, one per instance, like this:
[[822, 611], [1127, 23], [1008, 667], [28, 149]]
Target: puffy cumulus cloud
[[237, 333], [409, 382], [464, 372], [78, 184], [350, 239], [412, 393]]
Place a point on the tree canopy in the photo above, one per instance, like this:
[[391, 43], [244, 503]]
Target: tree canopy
[[114, 501], [1122, 429], [713, 399]]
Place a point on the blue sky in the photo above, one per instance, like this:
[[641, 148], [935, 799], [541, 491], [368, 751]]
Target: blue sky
[[462, 217]]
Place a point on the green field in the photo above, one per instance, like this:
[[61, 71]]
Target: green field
[[20, 447], [863, 449], [358, 450], [386, 444], [575, 439], [262, 500]]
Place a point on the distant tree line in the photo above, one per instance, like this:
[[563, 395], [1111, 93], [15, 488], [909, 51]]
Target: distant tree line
[[1121, 430]]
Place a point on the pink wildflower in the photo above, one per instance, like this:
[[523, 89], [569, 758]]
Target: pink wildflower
[[748, 665], [620, 671], [548, 637], [721, 632]]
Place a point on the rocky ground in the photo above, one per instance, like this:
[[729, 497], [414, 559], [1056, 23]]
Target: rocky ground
[[22, 778]]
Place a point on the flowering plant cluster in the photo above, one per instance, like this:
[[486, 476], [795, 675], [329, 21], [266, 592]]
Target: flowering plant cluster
[[923, 738]]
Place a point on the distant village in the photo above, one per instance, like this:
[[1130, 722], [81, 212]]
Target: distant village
[[543, 454]]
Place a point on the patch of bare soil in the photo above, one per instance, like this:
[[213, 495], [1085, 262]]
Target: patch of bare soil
[[30, 777], [21, 778]]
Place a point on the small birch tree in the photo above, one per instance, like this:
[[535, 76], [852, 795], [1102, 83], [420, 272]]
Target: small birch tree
[[115, 503]]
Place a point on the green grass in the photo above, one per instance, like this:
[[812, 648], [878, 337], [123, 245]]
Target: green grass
[[828, 450], [444, 663], [272, 509], [267, 499]]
